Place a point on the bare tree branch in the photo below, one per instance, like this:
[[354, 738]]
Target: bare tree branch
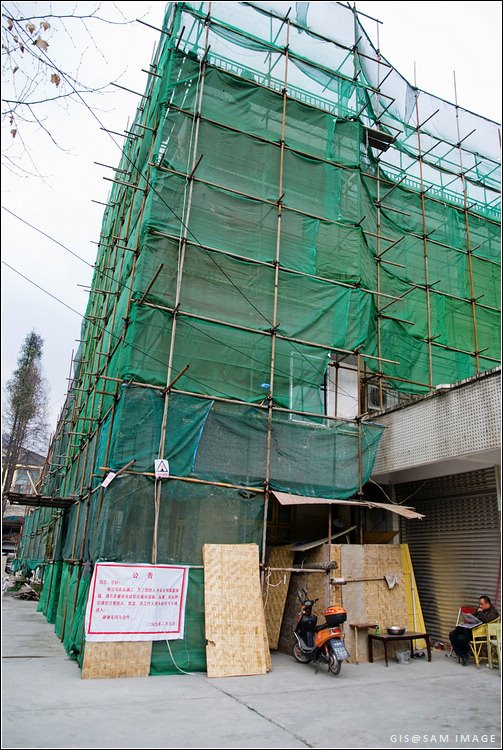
[[31, 75]]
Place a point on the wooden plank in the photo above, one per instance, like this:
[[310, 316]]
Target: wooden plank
[[275, 591], [114, 659], [415, 620], [318, 542], [235, 626]]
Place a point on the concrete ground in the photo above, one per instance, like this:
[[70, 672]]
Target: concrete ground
[[46, 704]]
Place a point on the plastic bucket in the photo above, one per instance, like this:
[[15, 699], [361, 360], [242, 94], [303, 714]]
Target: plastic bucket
[[402, 657]]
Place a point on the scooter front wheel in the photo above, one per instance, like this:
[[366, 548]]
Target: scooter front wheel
[[334, 664], [299, 655]]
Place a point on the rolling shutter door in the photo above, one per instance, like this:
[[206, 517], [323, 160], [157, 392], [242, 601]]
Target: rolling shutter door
[[455, 549]]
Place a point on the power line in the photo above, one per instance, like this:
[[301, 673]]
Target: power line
[[204, 333], [113, 335], [161, 197]]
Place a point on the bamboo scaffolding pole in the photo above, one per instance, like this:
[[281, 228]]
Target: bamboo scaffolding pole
[[31, 537], [118, 343], [270, 332], [300, 212], [275, 48], [425, 240], [89, 492], [109, 347], [328, 593], [467, 229], [181, 262], [382, 62], [260, 406], [379, 261], [275, 305], [74, 542], [193, 480], [106, 262], [200, 246], [378, 299], [360, 430], [463, 351], [84, 453]]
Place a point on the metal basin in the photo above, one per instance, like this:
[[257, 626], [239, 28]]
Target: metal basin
[[395, 630]]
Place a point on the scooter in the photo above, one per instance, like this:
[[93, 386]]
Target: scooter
[[322, 644]]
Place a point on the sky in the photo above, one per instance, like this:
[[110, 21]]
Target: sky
[[56, 190]]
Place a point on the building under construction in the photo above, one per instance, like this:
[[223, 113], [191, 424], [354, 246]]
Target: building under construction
[[296, 238]]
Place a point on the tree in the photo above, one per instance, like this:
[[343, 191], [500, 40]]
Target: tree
[[42, 65], [25, 408]]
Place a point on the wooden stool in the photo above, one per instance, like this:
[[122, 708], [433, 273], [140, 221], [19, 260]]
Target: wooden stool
[[360, 626]]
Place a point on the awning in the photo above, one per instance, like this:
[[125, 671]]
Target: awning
[[285, 498]]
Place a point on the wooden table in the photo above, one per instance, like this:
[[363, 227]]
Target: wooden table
[[385, 638], [360, 626]]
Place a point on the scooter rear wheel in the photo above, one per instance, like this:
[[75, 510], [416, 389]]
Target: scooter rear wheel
[[334, 664], [299, 656]]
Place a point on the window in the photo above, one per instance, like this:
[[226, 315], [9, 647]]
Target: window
[[341, 387]]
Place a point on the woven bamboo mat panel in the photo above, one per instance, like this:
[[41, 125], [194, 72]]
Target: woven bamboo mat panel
[[235, 626], [275, 591], [336, 591], [384, 605], [114, 659]]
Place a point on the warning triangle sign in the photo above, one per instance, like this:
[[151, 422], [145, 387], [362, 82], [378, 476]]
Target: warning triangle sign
[[161, 468]]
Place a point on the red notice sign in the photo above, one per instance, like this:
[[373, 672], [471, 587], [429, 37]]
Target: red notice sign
[[130, 602]]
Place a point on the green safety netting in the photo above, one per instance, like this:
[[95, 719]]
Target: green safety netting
[[189, 654], [293, 241]]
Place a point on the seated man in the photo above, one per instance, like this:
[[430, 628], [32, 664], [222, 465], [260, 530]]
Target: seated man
[[461, 636]]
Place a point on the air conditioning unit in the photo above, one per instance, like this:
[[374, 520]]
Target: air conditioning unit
[[389, 399], [373, 401]]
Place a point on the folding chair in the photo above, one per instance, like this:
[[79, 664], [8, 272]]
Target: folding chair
[[479, 645], [494, 642]]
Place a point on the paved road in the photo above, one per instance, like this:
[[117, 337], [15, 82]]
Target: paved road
[[47, 705]]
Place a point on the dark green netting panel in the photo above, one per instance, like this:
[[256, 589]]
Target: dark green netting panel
[[72, 519], [137, 428], [72, 591], [225, 442], [488, 332], [125, 529], [73, 640], [59, 622], [188, 654], [52, 580], [46, 588], [195, 514], [190, 515], [308, 458]]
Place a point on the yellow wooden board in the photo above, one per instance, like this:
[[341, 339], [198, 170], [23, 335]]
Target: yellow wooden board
[[414, 611], [235, 626], [114, 659], [275, 591]]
